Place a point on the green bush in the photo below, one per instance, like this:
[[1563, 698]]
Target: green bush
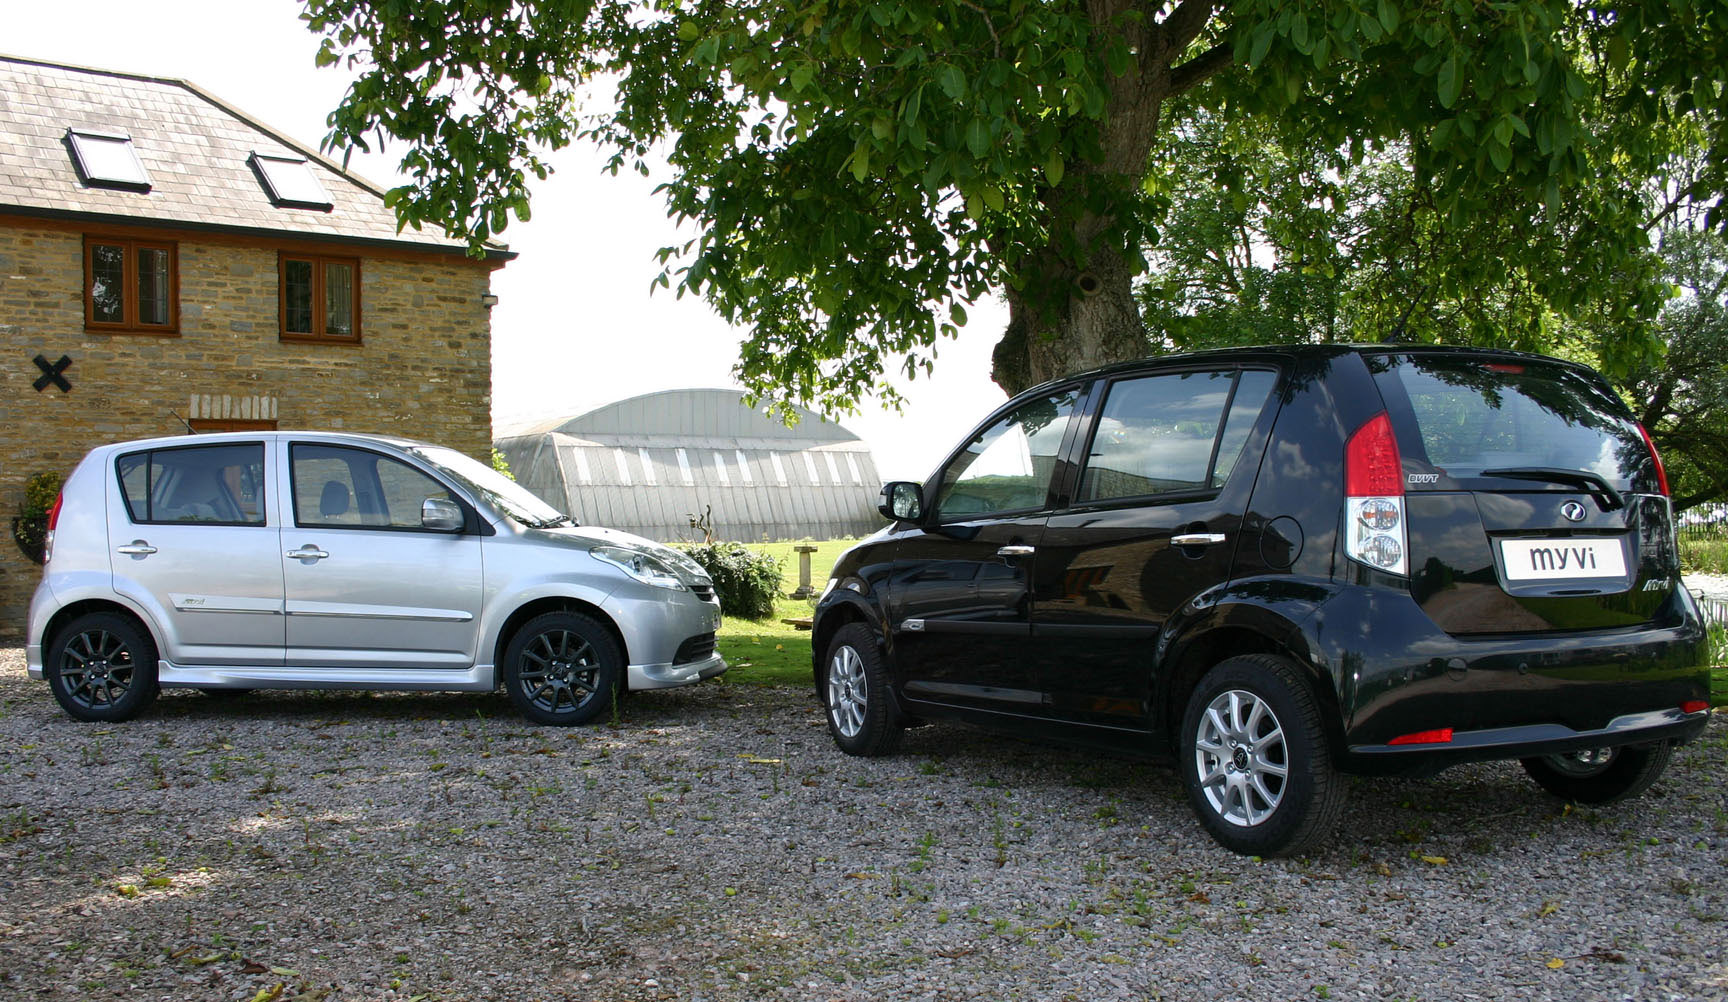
[[39, 494], [748, 582], [1704, 556]]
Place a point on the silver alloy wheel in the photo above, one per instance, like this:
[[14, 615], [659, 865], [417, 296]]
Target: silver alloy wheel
[[558, 671], [847, 693], [1583, 763], [1241, 757], [97, 669]]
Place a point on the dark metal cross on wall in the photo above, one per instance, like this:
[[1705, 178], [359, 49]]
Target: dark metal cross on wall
[[51, 374]]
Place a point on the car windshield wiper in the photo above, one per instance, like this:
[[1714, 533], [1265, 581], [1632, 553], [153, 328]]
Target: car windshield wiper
[[553, 523], [1606, 496]]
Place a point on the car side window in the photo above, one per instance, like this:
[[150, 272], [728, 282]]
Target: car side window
[[211, 484], [1009, 466], [1161, 434], [336, 487]]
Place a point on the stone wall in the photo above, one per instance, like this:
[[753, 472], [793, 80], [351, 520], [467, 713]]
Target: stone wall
[[422, 368]]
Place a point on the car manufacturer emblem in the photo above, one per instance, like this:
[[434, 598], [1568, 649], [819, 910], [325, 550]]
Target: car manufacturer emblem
[[1573, 511]]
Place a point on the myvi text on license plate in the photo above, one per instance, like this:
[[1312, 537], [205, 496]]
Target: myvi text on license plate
[[1546, 559]]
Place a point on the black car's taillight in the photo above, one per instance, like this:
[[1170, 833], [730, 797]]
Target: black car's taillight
[[1661, 472], [1374, 498]]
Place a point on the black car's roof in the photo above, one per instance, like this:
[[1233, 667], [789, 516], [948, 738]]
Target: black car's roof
[[1295, 352]]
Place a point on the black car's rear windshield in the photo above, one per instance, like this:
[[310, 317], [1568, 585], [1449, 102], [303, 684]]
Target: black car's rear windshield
[[1472, 416]]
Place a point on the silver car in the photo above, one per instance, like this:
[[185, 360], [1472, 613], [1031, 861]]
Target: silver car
[[331, 561]]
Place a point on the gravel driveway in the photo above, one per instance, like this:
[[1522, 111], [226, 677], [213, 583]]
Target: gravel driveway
[[710, 843]]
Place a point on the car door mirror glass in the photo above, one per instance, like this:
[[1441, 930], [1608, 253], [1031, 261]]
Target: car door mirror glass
[[441, 515], [902, 501]]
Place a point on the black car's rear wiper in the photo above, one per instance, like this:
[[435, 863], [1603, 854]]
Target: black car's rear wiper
[[1606, 496]]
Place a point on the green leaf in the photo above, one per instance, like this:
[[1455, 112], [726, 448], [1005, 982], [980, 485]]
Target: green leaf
[[953, 81], [1388, 16], [688, 31], [957, 313], [1450, 81], [914, 101], [993, 198], [1262, 45], [978, 137], [801, 75], [1053, 168]]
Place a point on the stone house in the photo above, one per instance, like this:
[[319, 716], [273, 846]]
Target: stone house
[[168, 263]]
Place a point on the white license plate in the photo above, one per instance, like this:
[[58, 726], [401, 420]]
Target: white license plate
[[1551, 559]]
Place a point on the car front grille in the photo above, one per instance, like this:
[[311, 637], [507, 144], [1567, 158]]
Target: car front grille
[[703, 592], [697, 648]]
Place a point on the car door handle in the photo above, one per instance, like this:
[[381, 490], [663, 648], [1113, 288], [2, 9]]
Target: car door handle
[[1197, 539], [136, 548], [307, 552], [1016, 550]]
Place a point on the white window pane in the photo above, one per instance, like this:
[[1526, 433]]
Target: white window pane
[[289, 181], [779, 468], [647, 468], [833, 468], [622, 458], [852, 467], [583, 473], [108, 159], [744, 467], [684, 467], [720, 468], [810, 468]]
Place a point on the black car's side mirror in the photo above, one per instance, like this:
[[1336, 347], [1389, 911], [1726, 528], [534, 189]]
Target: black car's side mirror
[[902, 501]]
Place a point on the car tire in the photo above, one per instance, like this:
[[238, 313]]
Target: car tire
[[1255, 759], [102, 667], [563, 669], [860, 708], [1600, 775]]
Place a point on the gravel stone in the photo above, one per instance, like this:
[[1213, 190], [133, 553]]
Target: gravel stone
[[710, 843]]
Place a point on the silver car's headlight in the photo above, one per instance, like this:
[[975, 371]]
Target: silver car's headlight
[[644, 567]]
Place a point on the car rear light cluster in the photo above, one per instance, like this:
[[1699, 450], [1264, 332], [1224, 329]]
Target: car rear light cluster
[[53, 520], [1374, 503], [1661, 471]]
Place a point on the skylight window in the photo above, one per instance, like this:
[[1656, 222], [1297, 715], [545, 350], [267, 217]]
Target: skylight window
[[107, 160], [289, 181]]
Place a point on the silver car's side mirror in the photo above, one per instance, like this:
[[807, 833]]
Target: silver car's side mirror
[[441, 515], [902, 501]]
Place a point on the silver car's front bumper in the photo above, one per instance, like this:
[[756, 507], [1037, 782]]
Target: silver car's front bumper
[[665, 676]]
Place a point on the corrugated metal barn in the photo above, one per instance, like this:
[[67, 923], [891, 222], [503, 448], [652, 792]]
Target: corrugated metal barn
[[649, 464]]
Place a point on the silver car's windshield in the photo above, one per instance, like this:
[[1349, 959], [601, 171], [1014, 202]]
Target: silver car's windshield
[[494, 488]]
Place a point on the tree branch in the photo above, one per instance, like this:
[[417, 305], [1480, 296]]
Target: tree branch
[[1200, 69]]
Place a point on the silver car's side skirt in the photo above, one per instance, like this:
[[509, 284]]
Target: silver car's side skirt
[[477, 678]]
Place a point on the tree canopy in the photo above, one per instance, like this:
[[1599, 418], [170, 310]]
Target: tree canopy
[[859, 172]]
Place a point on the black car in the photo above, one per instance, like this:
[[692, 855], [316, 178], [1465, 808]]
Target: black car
[[1284, 564]]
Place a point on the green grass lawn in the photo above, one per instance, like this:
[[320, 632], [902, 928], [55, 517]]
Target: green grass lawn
[[770, 652]]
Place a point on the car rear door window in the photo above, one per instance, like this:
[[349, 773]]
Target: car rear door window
[[214, 484], [1009, 466], [1172, 433]]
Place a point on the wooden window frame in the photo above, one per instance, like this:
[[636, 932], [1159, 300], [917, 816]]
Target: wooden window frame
[[318, 262], [130, 323]]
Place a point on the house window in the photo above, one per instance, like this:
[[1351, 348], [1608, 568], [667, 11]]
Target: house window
[[289, 182], [320, 298], [130, 285], [107, 160]]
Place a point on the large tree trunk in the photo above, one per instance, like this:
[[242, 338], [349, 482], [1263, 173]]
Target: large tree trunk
[[1100, 324], [1078, 312]]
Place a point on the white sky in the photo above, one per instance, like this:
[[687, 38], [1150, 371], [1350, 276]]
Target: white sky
[[575, 326]]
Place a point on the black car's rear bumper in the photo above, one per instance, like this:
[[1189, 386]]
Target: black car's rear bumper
[[1531, 740]]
